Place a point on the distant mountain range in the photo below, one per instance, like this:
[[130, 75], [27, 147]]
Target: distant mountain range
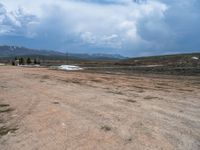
[[16, 51]]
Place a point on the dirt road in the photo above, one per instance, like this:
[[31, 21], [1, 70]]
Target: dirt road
[[57, 110]]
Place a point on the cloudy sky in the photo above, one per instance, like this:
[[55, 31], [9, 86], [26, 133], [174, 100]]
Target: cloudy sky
[[127, 27]]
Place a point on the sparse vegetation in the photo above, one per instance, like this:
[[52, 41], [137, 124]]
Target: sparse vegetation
[[5, 108], [106, 128], [56, 103], [131, 101], [150, 97], [116, 92], [45, 77], [4, 105], [5, 130], [97, 110]]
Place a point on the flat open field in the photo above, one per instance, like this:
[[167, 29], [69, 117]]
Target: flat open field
[[42, 109]]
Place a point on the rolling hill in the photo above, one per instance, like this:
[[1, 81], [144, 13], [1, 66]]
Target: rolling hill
[[175, 60]]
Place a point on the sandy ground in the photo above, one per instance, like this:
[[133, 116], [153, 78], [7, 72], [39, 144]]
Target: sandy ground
[[57, 110]]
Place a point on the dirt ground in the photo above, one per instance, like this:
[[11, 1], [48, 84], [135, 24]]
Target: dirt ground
[[42, 109]]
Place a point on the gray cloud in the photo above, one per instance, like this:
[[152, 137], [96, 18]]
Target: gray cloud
[[128, 27], [15, 22]]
